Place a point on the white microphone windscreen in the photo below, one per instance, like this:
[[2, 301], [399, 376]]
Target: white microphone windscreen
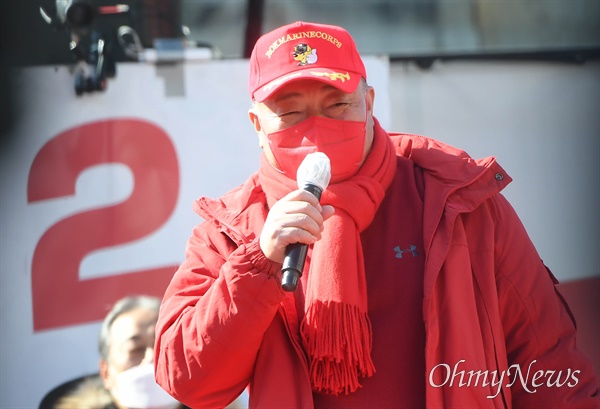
[[314, 169]]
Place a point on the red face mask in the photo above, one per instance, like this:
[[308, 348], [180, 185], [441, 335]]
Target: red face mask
[[342, 141]]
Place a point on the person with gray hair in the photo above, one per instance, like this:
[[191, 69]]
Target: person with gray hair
[[126, 377], [126, 346], [123, 306]]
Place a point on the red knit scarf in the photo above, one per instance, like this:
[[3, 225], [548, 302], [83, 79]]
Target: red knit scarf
[[336, 330]]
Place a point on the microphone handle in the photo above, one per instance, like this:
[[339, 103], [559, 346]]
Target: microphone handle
[[295, 254]]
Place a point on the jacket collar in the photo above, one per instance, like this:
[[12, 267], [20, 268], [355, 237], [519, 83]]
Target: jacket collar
[[462, 181]]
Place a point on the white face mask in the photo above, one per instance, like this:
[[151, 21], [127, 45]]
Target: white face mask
[[136, 388]]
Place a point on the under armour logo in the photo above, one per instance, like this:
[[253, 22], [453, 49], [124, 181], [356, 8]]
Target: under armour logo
[[412, 250]]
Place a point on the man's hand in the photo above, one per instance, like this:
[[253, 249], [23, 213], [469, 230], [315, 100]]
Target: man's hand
[[296, 218]]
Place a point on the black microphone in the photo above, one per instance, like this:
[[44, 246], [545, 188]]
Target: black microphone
[[313, 176]]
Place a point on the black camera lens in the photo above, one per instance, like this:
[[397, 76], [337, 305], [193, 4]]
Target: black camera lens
[[80, 14]]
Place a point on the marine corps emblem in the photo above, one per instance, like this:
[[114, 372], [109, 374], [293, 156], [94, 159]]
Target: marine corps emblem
[[304, 54]]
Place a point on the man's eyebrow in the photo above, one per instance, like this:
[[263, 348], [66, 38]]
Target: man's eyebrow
[[286, 96], [131, 338]]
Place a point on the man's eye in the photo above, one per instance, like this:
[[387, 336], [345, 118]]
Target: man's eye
[[138, 351], [339, 105], [289, 113]]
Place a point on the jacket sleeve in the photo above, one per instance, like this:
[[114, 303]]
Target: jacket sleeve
[[213, 317], [545, 367]]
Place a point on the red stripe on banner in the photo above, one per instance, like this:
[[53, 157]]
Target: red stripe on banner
[[583, 297]]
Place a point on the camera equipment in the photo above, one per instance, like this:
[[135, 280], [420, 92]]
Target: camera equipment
[[94, 28], [78, 16]]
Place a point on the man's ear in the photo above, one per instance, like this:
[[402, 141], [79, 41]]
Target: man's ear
[[370, 99], [254, 119], [253, 115], [104, 374]]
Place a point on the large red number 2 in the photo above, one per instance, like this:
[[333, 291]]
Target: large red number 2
[[60, 298]]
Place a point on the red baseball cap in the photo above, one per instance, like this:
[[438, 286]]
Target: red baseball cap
[[304, 50]]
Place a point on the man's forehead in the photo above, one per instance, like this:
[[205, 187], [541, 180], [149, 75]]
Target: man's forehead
[[131, 324]]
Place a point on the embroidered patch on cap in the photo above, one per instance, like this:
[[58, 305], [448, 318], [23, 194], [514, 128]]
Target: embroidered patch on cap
[[304, 54]]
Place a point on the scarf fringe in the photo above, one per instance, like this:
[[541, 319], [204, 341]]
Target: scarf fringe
[[338, 340]]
